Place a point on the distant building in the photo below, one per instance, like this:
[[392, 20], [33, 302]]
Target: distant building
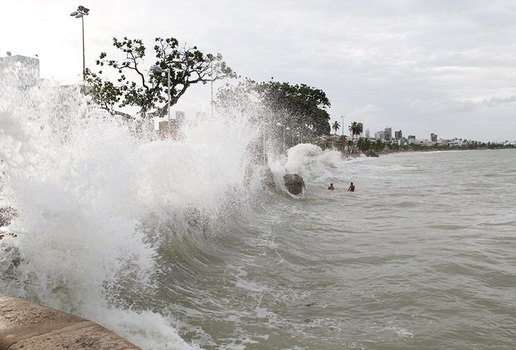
[[411, 137], [433, 137], [455, 142], [20, 70], [367, 133], [379, 135], [398, 135], [388, 134]]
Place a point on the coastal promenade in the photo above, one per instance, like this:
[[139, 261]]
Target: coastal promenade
[[28, 326]]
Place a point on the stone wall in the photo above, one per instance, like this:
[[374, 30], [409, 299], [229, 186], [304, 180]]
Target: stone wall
[[28, 326]]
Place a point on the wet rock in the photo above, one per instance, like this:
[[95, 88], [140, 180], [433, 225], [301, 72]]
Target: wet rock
[[294, 183]]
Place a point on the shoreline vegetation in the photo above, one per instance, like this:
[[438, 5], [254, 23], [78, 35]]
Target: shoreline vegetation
[[374, 147]]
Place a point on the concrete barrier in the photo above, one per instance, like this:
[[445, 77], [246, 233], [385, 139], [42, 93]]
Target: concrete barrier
[[28, 326]]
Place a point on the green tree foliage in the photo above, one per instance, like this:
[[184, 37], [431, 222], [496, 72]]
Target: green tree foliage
[[335, 126], [135, 85], [300, 107], [341, 143], [364, 144], [356, 129], [379, 145]]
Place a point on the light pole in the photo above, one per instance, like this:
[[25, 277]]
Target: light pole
[[159, 70], [342, 138], [80, 13]]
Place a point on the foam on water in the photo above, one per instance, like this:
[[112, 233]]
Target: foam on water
[[315, 165], [83, 184]]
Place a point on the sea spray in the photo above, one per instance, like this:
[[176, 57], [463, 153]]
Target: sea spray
[[129, 230], [89, 193], [70, 177], [315, 165]]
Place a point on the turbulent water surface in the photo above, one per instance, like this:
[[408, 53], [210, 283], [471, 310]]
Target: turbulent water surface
[[178, 245]]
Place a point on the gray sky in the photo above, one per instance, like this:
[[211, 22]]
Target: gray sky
[[442, 66]]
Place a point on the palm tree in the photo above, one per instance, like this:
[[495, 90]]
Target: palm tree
[[364, 144], [335, 126], [360, 128], [379, 145], [356, 129]]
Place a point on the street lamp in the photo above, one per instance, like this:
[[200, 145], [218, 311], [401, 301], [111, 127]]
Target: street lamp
[[80, 13], [159, 70]]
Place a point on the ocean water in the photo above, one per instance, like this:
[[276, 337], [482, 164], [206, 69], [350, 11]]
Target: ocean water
[[180, 245]]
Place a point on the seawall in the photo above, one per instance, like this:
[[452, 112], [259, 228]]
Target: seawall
[[28, 326]]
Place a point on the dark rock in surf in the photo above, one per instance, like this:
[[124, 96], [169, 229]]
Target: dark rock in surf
[[294, 183], [371, 154]]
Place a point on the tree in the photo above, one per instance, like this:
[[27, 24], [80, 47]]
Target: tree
[[335, 126], [300, 107], [356, 129], [394, 147], [342, 143], [364, 144], [134, 86], [379, 145]]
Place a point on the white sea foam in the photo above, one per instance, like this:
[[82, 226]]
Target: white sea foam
[[82, 183], [309, 161]]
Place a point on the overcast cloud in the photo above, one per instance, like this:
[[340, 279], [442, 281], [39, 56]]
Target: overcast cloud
[[441, 66]]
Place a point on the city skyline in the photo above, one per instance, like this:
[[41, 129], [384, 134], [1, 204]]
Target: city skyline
[[431, 67]]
